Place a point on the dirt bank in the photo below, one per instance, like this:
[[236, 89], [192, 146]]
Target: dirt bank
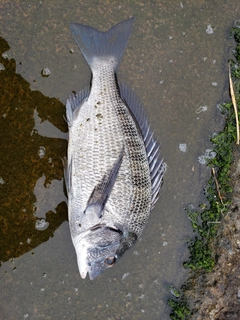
[[216, 295]]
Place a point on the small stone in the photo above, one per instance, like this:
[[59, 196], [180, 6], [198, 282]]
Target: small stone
[[41, 152], [201, 109], [209, 29], [5, 55], [125, 275], [45, 72], [209, 154], [183, 147], [41, 224], [1, 180]]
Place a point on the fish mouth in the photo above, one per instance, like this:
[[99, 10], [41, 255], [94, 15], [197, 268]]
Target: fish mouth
[[84, 268], [92, 273], [83, 274]]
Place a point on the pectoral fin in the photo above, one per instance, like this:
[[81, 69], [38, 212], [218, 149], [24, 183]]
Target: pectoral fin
[[67, 173], [102, 191]]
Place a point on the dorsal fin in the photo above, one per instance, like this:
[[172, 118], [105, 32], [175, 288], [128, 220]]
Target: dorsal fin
[[74, 102]]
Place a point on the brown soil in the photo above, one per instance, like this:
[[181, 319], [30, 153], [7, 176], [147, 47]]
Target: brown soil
[[216, 295]]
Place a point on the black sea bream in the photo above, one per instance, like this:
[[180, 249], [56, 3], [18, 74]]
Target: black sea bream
[[113, 173]]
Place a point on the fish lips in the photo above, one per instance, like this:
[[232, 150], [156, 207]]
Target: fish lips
[[93, 271], [95, 268]]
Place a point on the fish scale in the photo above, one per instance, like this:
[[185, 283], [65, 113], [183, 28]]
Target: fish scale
[[113, 173]]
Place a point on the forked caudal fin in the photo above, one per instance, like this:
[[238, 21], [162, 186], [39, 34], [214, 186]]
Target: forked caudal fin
[[97, 44]]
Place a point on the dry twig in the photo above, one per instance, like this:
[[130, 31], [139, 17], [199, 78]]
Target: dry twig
[[234, 103]]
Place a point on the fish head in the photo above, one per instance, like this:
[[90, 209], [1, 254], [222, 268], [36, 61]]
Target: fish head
[[99, 249]]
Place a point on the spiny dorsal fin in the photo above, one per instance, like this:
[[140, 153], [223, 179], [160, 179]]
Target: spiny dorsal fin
[[156, 165]]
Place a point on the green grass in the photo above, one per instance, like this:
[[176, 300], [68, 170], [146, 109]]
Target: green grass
[[179, 310]]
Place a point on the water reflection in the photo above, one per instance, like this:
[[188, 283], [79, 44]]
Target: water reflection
[[31, 174]]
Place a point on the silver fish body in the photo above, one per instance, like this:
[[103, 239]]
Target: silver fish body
[[113, 173]]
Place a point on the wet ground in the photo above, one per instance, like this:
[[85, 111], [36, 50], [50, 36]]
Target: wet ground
[[176, 61]]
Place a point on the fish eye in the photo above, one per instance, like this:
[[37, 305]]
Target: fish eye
[[109, 262]]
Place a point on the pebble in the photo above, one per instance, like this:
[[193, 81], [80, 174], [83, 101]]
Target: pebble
[[45, 72]]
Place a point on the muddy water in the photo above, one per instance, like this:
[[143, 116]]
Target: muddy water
[[176, 62]]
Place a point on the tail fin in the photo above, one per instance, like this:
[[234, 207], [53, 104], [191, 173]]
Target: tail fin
[[97, 44]]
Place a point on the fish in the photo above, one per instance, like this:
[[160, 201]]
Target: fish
[[113, 171]]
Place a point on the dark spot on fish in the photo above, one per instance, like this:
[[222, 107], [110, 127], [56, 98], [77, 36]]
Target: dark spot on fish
[[99, 115], [97, 104], [88, 119], [79, 225]]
